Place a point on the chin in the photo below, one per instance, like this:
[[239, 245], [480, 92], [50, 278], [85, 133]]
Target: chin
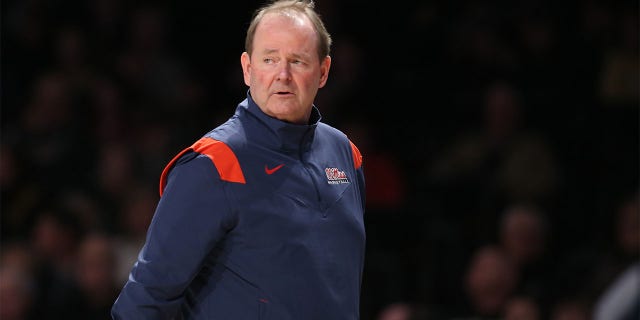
[[284, 109]]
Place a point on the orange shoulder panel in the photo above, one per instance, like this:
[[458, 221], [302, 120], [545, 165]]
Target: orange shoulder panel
[[218, 152], [357, 157]]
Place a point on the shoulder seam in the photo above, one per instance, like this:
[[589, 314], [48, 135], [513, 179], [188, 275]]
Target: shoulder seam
[[222, 157]]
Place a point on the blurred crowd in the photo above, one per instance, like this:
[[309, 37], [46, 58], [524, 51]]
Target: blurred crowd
[[500, 144]]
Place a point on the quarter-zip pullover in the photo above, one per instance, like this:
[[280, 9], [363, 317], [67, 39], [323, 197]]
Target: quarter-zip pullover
[[258, 219]]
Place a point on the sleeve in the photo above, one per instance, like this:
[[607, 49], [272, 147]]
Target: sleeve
[[192, 216]]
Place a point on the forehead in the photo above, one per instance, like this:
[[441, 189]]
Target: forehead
[[281, 25], [290, 17]]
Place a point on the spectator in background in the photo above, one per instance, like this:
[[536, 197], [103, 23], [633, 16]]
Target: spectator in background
[[619, 82], [617, 278], [524, 235], [133, 220], [52, 132], [403, 311], [95, 275], [500, 162], [490, 280], [626, 229], [152, 69], [108, 114], [621, 299], [587, 277], [71, 58], [16, 194], [54, 239], [94, 279], [18, 285], [16, 294], [522, 307], [571, 308], [114, 171], [395, 311]]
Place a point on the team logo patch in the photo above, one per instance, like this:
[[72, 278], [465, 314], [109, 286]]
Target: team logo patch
[[335, 176]]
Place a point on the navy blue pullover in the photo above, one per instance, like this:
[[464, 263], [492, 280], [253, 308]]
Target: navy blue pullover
[[259, 219]]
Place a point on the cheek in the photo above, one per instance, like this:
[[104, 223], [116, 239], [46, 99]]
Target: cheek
[[259, 79], [308, 81]]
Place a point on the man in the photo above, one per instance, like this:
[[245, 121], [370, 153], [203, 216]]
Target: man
[[262, 218]]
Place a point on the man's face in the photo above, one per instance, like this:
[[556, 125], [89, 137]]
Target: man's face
[[284, 71]]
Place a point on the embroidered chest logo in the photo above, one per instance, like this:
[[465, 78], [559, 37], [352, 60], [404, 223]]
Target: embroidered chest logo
[[335, 176], [270, 171]]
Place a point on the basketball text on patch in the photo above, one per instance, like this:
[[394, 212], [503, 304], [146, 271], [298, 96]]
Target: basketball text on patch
[[335, 176]]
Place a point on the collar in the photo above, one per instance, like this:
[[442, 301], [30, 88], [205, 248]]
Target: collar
[[279, 134]]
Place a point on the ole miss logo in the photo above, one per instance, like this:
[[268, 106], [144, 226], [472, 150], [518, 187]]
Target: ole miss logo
[[335, 176]]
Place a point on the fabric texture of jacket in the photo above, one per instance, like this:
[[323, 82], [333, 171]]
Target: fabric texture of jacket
[[259, 219]]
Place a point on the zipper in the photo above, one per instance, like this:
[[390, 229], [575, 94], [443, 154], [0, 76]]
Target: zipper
[[303, 150]]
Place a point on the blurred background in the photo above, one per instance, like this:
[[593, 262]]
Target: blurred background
[[500, 143]]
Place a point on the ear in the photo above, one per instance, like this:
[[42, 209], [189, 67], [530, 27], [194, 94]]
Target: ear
[[245, 61], [325, 65]]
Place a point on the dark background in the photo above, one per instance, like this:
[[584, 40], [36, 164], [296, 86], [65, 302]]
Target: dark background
[[462, 110]]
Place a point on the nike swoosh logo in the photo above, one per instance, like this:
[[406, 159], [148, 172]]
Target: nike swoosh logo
[[271, 171]]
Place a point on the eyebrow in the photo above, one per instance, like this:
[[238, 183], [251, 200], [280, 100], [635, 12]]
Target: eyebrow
[[270, 51], [295, 55]]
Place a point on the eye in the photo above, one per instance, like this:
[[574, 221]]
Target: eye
[[299, 62], [268, 60]]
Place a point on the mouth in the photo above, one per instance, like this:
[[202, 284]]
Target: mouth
[[282, 92]]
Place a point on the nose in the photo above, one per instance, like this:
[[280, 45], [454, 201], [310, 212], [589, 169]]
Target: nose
[[284, 72]]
